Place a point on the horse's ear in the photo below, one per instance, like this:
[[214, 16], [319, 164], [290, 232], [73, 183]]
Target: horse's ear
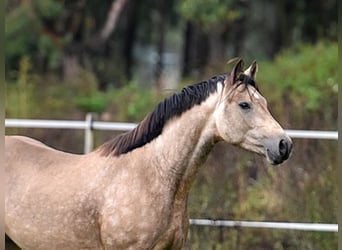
[[233, 76], [252, 70], [237, 70]]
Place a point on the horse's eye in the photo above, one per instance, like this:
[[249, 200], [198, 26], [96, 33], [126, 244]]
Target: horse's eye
[[244, 105]]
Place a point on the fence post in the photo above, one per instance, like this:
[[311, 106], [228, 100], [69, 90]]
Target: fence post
[[88, 133]]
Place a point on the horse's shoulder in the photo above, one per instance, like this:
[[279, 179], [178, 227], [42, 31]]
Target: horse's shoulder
[[24, 153]]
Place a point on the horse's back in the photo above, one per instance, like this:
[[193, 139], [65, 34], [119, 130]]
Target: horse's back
[[21, 144], [24, 152], [17, 144]]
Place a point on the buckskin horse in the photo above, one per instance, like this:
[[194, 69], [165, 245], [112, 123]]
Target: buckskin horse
[[131, 192]]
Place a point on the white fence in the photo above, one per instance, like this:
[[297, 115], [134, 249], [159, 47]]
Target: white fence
[[88, 125], [321, 227]]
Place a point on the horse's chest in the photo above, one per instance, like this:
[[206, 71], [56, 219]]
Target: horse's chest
[[144, 233], [148, 222], [175, 235]]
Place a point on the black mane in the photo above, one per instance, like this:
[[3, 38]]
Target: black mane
[[152, 125]]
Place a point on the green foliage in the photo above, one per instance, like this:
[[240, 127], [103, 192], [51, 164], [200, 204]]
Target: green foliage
[[27, 35], [208, 12], [47, 49], [25, 98], [18, 22], [131, 102], [128, 103], [306, 74], [96, 102], [19, 100], [48, 9], [88, 97]]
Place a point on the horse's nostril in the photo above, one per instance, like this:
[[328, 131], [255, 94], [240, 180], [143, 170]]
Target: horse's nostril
[[283, 148]]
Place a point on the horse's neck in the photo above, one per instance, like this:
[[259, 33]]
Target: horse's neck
[[184, 145]]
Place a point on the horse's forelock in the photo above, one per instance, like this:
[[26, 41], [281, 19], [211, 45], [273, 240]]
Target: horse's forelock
[[247, 80]]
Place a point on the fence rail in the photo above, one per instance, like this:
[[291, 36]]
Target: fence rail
[[321, 227], [88, 125], [69, 124], [125, 126]]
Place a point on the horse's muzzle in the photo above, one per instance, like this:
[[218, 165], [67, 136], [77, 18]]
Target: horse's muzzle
[[279, 151]]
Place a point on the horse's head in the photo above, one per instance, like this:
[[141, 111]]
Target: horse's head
[[242, 117]]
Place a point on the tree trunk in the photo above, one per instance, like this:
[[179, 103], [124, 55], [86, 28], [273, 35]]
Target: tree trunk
[[71, 66], [130, 36], [216, 48], [94, 45], [161, 30], [195, 50], [112, 18], [186, 49]]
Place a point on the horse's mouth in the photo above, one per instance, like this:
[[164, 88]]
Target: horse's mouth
[[281, 154], [272, 159], [274, 152]]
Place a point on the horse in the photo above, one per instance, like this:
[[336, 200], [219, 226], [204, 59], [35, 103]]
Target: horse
[[131, 192]]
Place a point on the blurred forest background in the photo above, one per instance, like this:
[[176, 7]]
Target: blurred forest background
[[118, 58]]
